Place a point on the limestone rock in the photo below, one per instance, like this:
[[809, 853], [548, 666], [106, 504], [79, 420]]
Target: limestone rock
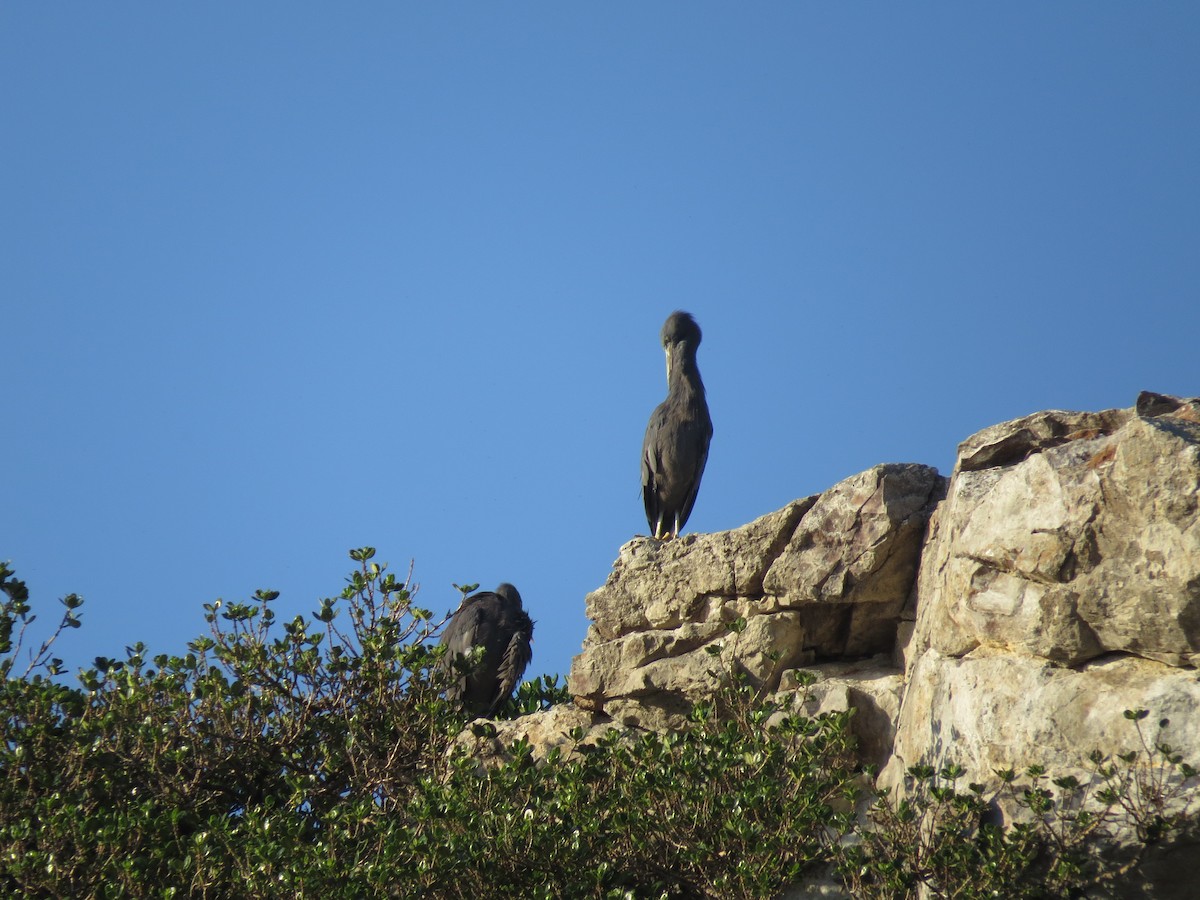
[[992, 709], [1150, 404], [850, 564], [823, 578], [488, 740], [1012, 442], [659, 585], [1071, 546], [872, 688], [1041, 573], [1060, 586]]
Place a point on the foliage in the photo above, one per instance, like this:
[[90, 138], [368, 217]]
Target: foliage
[[318, 758], [155, 773], [14, 608], [736, 804], [1064, 841]]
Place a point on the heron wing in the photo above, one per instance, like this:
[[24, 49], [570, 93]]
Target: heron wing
[[517, 655], [459, 636], [463, 633], [702, 440], [652, 464]]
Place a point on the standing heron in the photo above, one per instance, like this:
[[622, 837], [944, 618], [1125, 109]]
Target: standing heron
[[676, 445], [497, 623]]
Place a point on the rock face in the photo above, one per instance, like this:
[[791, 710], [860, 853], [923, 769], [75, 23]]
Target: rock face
[[1006, 617], [1071, 547], [1060, 586], [824, 578], [992, 709]]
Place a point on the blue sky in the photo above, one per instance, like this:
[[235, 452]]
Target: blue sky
[[278, 280]]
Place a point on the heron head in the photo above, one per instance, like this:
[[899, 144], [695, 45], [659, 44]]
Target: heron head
[[679, 333], [681, 328], [509, 593]]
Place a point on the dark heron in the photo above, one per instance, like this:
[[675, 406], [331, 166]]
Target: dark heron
[[676, 445], [498, 623]]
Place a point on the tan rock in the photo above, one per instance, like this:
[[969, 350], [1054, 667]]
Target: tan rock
[[489, 740], [662, 584], [1060, 586], [1071, 551], [872, 688], [823, 578], [993, 710]]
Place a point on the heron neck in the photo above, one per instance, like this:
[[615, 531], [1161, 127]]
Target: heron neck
[[685, 374]]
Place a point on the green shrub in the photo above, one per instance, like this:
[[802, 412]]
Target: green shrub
[[317, 758], [1065, 841]]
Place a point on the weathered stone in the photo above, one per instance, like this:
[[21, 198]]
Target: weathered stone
[[489, 740], [823, 578], [1088, 547], [662, 584], [1060, 586], [1150, 404], [851, 562], [872, 688], [993, 709], [1012, 442]]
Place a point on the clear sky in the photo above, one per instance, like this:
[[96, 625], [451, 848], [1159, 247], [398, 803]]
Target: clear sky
[[282, 279]]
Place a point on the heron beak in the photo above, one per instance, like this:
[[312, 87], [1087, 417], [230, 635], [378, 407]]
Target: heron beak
[[668, 353]]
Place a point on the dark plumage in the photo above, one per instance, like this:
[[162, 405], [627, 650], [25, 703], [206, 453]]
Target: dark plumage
[[677, 437], [499, 624]]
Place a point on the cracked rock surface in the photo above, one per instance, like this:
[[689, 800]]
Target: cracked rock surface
[[1080, 548], [824, 578], [1060, 586]]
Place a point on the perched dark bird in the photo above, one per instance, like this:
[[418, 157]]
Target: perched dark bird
[[676, 445], [498, 623]]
